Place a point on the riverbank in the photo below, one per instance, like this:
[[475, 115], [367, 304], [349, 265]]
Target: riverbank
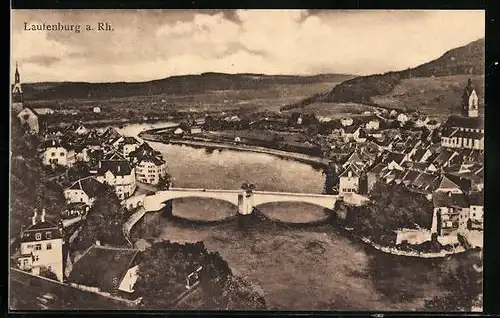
[[148, 136]]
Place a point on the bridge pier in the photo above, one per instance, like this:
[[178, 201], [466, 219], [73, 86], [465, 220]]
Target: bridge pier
[[245, 208]]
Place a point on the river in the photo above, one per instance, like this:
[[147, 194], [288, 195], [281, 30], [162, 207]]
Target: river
[[313, 268]]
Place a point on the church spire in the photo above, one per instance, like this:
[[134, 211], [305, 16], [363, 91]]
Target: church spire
[[17, 79]]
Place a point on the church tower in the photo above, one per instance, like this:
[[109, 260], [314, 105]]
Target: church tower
[[470, 101], [17, 92]]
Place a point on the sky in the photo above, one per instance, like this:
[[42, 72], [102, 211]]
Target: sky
[[152, 44]]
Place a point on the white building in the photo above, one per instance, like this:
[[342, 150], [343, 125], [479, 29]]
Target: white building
[[41, 247], [402, 118], [119, 174], [55, 153], [149, 164], [350, 179], [128, 145], [346, 121], [44, 111], [96, 110], [83, 191]]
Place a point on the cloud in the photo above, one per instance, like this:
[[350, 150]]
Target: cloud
[[151, 44]]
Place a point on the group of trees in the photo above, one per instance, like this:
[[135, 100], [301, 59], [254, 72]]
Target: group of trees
[[464, 287], [165, 266], [214, 124], [391, 207], [104, 222]]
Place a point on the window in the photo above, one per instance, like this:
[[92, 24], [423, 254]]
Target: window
[[53, 154], [36, 258], [38, 247], [25, 262], [48, 235], [474, 215], [49, 246], [38, 236]]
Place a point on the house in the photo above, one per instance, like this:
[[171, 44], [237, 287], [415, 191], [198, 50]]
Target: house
[[402, 118], [350, 179], [119, 174], [83, 191], [393, 113], [447, 185], [94, 269], [81, 130], [44, 111], [352, 132], [41, 247], [76, 209], [373, 174], [447, 210], [393, 160], [457, 138], [445, 158], [421, 121], [476, 211], [178, 131], [96, 110], [128, 145], [195, 129], [346, 121], [57, 153], [420, 155], [432, 124], [149, 164], [30, 118]]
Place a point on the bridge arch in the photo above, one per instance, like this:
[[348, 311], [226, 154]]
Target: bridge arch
[[325, 201], [158, 200]]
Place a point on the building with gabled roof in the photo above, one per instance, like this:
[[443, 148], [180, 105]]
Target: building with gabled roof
[[447, 210], [350, 179], [128, 145], [84, 190], [149, 164], [41, 247], [55, 152], [119, 174], [93, 269]]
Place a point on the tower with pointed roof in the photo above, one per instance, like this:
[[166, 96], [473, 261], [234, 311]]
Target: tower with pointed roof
[[470, 100], [17, 92]]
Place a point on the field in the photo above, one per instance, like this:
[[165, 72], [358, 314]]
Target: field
[[435, 96], [335, 110], [243, 100], [257, 135]]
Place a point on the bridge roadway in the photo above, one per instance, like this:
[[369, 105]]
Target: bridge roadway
[[156, 202], [245, 201]]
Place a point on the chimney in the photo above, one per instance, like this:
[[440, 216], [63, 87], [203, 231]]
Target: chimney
[[33, 219], [42, 217]]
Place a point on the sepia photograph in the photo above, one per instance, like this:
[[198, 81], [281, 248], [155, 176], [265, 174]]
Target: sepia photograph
[[284, 160]]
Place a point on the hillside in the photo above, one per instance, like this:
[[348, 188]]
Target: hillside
[[466, 60], [27, 190], [175, 85]]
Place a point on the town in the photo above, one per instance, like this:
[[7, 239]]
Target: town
[[441, 161]]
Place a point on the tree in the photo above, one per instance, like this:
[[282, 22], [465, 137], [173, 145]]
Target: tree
[[464, 285], [165, 182], [104, 222], [390, 208], [47, 273]]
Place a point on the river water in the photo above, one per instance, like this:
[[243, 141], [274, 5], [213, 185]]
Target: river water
[[314, 268]]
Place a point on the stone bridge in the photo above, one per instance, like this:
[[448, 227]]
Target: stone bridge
[[246, 201]]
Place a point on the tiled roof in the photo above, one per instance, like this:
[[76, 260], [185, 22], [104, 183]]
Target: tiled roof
[[393, 156], [465, 122], [468, 134], [103, 267], [130, 141], [356, 171], [448, 199], [476, 198], [116, 167], [89, 185]]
